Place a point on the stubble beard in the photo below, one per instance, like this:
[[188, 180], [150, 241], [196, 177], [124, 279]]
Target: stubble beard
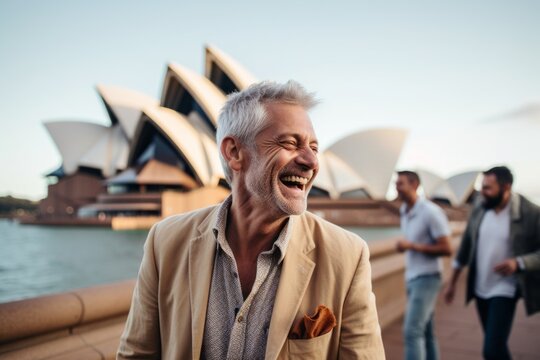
[[269, 191]]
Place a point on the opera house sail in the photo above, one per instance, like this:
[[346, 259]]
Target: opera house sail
[[160, 157]]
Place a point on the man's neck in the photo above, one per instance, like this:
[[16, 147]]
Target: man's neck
[[411, 201], [251, 230]]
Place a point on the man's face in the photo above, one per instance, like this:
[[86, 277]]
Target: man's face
[[492, 192], [282, 168], [405, 188]]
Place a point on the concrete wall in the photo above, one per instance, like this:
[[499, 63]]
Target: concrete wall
[[82, 324], [87, 323]]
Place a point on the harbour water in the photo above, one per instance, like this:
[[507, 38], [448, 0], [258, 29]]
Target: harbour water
[[39, 260]]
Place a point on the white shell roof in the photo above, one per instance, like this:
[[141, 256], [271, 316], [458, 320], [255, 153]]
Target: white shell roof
[[209, 97], [196, 120], [324, 179], [444, 191], [463, 185], [336, 176], [109, 153], [212, 153], [373, 155], [126, 105], [456, 189], [74, 139], [435, 186], [236, 72], [187, 140], [429, 181]]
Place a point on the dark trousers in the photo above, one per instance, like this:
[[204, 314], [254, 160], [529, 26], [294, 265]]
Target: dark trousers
[[496, 315]]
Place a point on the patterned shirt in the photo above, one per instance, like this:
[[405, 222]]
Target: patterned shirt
[[236, 328]]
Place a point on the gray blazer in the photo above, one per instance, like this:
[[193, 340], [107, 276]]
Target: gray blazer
[[525, 239]]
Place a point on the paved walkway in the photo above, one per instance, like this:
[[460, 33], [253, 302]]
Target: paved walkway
[[460, 334]]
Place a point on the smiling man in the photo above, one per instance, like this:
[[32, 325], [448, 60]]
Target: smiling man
[[256, 277]]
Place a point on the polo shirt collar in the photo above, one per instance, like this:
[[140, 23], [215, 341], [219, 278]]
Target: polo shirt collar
[[414, 210]]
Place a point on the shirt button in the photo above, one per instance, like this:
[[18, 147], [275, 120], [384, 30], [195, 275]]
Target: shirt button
[[240, 318], [235, 275]]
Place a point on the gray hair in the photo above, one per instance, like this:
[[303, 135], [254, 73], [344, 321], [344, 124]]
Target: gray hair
[[244, 115]]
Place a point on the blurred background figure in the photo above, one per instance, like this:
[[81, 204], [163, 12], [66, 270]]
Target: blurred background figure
[[501, 246], [426, 232]]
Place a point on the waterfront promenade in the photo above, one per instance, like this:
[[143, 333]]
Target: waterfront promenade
[[87, 323], [460, 334]]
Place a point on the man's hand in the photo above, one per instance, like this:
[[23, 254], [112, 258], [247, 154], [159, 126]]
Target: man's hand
[[450, 290], [404, 245], [449, 293], [507, 267]]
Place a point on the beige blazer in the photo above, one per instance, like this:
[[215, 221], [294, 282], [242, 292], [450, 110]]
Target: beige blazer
[[323, 265]]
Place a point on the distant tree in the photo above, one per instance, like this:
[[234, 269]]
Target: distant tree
[[11, 206]]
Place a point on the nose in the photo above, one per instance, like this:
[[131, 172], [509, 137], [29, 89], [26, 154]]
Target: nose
[[308, 159]]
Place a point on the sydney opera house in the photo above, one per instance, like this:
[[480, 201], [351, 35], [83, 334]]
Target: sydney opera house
[[159, 157]]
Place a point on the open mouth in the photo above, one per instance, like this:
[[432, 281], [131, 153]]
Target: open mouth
[[292, 181]]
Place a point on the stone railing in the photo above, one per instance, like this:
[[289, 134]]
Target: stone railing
[[87, 323], [81, 324]]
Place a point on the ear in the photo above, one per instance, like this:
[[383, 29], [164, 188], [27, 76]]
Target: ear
[[232, 153]]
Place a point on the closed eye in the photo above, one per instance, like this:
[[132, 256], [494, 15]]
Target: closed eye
[[289, 144]]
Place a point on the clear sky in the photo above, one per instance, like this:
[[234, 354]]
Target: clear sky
[[450, 71]]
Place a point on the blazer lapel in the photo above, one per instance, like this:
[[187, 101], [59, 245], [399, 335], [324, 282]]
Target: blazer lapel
[[476, 226], [515, 217], [201, 264], [294, 279], [515, 205]]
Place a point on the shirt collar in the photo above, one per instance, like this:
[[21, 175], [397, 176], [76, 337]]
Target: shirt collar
[[505, 211], [417, 205], [281, 243]]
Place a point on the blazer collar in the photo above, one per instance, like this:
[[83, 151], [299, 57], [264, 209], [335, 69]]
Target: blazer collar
[[515, 202], [202, 251], [296, 272], [294, 279]]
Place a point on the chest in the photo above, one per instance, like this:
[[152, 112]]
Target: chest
[[240, 307], [247, 273], [494, 236], [415, 227], [495, 228]]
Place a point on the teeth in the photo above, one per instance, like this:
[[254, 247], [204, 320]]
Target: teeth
[[296, 179]]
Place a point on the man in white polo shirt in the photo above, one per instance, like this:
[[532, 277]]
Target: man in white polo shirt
[[426, 232], [501, 246]]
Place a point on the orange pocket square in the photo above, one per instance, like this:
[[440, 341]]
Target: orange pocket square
[[310, 326]]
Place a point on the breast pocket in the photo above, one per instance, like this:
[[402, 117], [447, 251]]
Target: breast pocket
[[316, 348]]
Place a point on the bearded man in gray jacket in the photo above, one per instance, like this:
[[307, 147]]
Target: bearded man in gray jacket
[[501, 246]]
